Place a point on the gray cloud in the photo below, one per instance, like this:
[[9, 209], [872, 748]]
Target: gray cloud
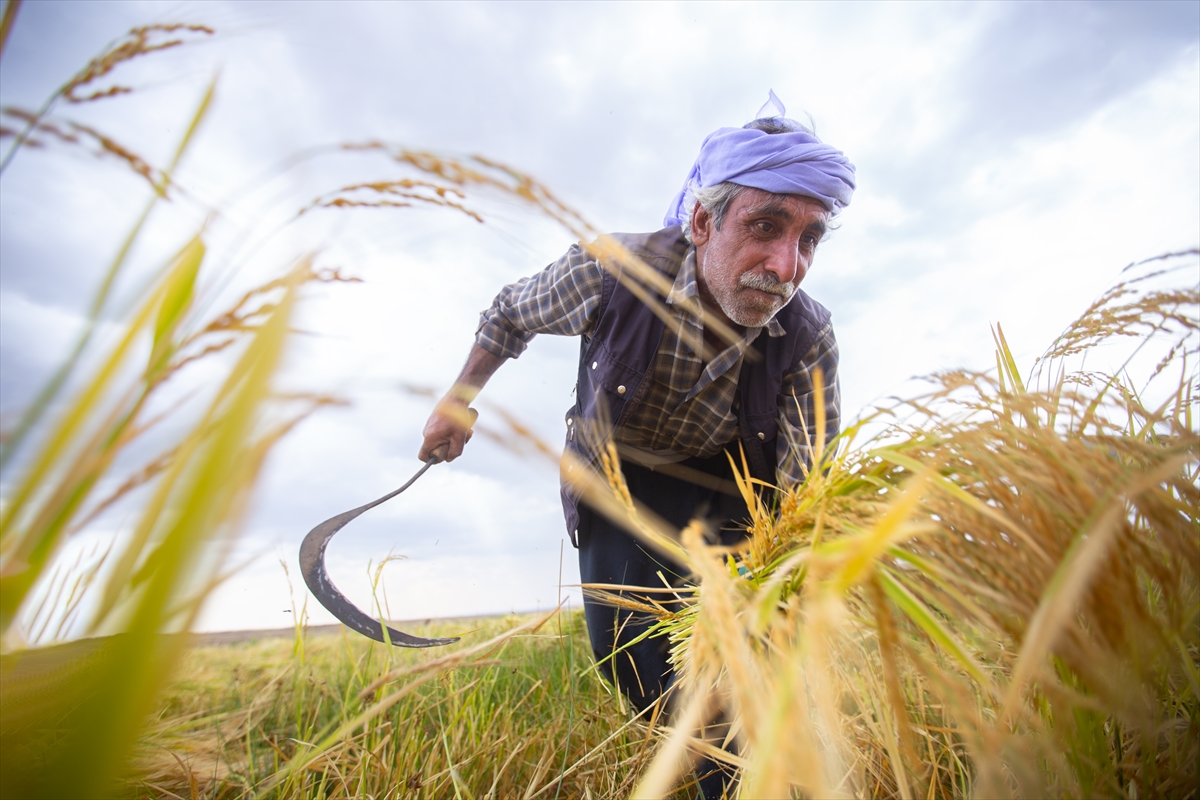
[[1039, 66]]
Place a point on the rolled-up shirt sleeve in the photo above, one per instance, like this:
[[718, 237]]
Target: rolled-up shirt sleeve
[[562, 299], [798, 408]]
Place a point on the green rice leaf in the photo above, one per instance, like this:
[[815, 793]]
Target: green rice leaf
[[925, 619]]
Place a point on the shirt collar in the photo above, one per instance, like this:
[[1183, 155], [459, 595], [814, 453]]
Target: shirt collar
[[685, 293]]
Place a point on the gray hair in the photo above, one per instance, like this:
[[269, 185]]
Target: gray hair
[[717, 199]]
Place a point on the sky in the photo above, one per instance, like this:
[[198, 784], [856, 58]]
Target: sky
[[1011, 159]]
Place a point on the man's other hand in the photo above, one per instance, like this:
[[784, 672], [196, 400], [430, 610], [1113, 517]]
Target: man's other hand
[[448, 430]]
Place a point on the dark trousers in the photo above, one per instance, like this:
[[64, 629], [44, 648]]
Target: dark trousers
[[608, 554]]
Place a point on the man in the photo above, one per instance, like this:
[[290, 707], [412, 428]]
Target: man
[[738, 240]]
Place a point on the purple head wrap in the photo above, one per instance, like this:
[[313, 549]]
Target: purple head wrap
[[796, 162]]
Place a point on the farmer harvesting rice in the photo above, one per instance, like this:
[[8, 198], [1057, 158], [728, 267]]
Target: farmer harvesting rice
[[738, 240]]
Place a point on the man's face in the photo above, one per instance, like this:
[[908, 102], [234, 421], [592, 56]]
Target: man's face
[[751, 267]]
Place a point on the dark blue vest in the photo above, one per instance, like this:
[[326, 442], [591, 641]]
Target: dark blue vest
[[616, 356]]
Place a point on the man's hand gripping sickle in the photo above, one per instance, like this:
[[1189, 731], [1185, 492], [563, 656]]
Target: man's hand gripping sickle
[[449, 426]]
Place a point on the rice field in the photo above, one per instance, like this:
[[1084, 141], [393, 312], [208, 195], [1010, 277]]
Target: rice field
[[987, 590]]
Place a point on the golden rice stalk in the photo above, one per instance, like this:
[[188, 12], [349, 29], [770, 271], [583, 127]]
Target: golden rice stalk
[[76, 133], [136, 43]]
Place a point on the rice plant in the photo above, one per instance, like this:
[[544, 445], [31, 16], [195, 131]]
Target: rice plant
[[994, 596], [72, 712]]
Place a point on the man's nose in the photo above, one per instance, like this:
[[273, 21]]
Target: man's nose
[[785, 264]]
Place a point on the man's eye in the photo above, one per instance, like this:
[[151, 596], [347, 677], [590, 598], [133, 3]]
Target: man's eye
[[765, 227]]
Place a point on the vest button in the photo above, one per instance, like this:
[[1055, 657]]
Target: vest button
[[761, 436], [620, 390], [595, 364]]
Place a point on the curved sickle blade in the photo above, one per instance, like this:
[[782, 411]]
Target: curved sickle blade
[[312, 567]]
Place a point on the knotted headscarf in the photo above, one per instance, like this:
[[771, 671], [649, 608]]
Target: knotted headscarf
[[796, 162]]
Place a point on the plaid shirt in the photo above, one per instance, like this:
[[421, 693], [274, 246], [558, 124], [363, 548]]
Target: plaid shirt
[[688, 407]]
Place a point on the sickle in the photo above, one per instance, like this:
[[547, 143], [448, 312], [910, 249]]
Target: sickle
[[312, 567]]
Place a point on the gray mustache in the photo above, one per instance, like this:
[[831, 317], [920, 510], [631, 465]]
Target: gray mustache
[[765, 283]]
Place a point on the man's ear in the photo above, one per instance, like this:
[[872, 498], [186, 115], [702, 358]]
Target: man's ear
[[702, 225]]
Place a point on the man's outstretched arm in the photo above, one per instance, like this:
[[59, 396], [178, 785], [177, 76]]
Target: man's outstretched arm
[[450, 422], [560, 300]]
